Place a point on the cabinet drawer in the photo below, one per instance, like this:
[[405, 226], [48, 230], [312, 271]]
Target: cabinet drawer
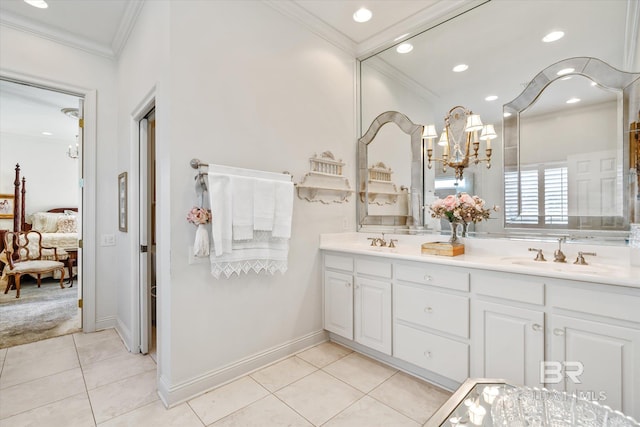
[[443, 356], [446, 277], [516, 287], [373, 267], [608, 304], [437, 310], [336, 262]]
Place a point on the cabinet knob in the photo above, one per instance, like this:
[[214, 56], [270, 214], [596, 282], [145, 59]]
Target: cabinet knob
[[357, 286], [348, 285], [428, 278], [536, 327], [558, 332], [428, 310], [427, 354]]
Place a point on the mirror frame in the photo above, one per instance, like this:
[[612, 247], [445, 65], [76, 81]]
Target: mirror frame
[[415, 219], [604, 75]]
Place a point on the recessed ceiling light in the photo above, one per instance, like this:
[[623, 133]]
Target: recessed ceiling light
[[460, 68], [47, 133], [404, 48], [565, 71], [594, 84], [491, 98], [362, 15], [401, 37], [40, 4], [566, 78], [573, 100], [553, 36], [506, 115]]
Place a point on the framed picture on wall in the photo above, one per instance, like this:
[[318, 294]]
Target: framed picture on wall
[[122, 201], [6, 205]]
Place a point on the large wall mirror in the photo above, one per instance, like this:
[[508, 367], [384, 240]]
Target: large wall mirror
[[501, 43]]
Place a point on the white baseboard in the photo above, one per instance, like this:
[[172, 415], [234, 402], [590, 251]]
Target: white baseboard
[[105, 323], [172, 395], [125, 335]]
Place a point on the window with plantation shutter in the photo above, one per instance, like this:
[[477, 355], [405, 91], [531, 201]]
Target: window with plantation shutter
[[543, 196]]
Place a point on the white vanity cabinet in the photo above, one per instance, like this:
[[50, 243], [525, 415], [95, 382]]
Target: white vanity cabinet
[[431, 318], [357, 300], [338, 295], [448, 322], [596, 331], [508, 328]]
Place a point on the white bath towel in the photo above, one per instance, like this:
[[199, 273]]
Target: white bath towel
[[283, 210], [242, 195], [220, 200], [264, 198]]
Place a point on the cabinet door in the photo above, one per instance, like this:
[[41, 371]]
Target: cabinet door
[[507, 342], [608, 357], [338, 303], [373, 314]]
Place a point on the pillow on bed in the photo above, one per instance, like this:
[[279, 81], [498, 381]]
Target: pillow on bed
[[67, 224], [45, 222]]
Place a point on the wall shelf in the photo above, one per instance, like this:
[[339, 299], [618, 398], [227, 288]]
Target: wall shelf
[[324, 182]]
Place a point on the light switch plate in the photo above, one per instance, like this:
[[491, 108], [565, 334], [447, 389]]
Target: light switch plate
[[108, 240]]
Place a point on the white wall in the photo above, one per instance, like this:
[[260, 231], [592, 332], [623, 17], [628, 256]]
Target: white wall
[[244, 86], [42, 161], [34, 59]]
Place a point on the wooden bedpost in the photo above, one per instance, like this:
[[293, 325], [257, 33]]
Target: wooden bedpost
[[22, 204], [16, 200]]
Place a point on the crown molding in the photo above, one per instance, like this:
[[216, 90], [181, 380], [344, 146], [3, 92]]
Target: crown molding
[[386, 69], [128, 21], [631, 35], [48, 32], [314, 24], [427, 18]]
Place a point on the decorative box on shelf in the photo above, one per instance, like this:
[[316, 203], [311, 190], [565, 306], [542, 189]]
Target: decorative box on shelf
[[324, 182]]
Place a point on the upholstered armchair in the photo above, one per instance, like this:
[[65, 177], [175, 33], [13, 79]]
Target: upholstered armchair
[[26, 255]]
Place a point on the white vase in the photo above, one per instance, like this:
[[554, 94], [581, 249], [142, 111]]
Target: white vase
[[201, 243]]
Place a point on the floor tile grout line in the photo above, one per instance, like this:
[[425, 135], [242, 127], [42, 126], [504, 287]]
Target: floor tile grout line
[[293, 409], [188, 402], [84, 381]]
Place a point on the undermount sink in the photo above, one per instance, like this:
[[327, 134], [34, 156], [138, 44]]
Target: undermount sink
[[567, 267]]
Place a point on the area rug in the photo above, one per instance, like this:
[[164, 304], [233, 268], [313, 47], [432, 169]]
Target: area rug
[[39, 313]]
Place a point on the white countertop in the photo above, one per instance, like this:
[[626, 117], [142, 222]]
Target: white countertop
[[610, 266]]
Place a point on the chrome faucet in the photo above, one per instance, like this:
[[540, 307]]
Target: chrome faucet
[[580, 260], [539, 255], [558, 255]]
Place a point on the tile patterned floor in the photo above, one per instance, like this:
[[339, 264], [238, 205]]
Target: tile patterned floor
[[91, 380]]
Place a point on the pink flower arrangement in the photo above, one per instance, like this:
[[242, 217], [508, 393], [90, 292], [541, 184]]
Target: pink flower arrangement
[[461, 208], [198, 216]]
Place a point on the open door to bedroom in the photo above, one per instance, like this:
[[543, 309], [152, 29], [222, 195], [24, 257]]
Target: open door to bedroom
[[147, 135], [42, 131]]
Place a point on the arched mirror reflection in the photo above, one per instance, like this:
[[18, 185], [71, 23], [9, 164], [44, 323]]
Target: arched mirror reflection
[[390, 177], [565, 149]]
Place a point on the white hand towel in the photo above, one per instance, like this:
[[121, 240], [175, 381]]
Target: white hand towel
[[242, 195], [220, 200], [283, 210], [263, 204]]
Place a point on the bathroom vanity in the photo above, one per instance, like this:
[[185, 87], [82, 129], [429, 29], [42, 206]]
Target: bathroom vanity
[[493, 312]]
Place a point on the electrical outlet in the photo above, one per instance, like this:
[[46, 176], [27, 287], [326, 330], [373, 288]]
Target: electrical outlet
[[108, 240]]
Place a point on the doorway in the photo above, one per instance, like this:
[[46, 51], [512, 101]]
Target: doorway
[[147, 180], [42, 131]]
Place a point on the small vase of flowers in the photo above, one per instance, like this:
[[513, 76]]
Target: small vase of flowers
[[460, 208], [200, 217]]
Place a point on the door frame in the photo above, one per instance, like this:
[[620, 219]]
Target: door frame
[[138, 114], [87, 208]]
